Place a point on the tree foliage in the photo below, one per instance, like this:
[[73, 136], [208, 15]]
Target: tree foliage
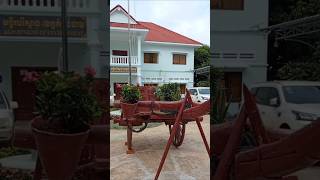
[[202, 57], [300, 71], [290, 56]]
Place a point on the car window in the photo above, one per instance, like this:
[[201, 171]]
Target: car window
[[3, 103], [193, 91], [265, 94], [204, 91], [302, 94]]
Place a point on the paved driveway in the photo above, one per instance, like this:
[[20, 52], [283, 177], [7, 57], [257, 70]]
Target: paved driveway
[[189, 162]]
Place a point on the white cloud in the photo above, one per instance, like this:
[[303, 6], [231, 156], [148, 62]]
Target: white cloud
[[187, 17]]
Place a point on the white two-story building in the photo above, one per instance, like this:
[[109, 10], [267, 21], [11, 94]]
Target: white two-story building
[[158, 55], [30, 42], [238, 45]]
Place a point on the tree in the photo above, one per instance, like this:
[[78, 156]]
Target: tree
[[202, 59], [289, 55], [202, 56]]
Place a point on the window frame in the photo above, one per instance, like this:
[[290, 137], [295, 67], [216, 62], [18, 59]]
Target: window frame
[[179, 54], [151, 52]]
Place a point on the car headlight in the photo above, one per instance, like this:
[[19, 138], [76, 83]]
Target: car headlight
[[305, 116]]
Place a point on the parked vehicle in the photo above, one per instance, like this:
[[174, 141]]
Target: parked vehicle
[[112, 100], [6, 117], [200, 94], [288, 104]]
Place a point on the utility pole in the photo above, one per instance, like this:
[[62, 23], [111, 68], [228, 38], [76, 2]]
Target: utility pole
[[64, 35], [129, 49]]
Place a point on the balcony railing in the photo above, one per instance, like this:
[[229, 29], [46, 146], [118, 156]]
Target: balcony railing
[[124, 60], [48, 5]]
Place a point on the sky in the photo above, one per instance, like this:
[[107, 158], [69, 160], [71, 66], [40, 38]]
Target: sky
[[190, 18]]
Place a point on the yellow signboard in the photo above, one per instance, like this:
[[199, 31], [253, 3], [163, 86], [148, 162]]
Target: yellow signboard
[[123, 69], [41, 26]]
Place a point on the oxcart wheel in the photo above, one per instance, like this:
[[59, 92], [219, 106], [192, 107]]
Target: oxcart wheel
[[179, 136]]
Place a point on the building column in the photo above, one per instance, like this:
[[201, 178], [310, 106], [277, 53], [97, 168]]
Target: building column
[[139, 61]]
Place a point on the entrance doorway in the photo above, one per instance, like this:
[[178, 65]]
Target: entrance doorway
[[23, 90]]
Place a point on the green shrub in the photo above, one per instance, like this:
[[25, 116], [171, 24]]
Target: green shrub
[[130, 94], [66, 102], [169, 92]]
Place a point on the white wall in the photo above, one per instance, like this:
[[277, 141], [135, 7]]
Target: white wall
[[165, 67], [120, 17], [255, 14]]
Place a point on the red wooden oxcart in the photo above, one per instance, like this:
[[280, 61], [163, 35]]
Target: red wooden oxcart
[[174, 114], [272, 155]]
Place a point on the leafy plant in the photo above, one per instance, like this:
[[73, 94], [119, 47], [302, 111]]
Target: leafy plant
[[220, 106], [169, 92], [130, 94], [65, 102]]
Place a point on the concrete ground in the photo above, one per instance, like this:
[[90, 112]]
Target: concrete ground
[[188, 162]]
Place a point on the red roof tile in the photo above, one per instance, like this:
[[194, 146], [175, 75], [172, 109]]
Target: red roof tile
[[160, 34], [156, 33]]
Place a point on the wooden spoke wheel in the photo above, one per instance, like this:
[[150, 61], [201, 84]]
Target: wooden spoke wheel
[[179, 136]]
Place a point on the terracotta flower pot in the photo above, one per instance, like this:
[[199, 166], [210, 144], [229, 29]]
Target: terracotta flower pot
[[59, 153], [128, 110]]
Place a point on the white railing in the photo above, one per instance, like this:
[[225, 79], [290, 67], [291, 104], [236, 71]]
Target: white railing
[[48, 5], [124, 60]]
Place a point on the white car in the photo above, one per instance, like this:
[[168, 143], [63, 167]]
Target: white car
[[112, 100], [200, 94], [6, 117], [287, 104]]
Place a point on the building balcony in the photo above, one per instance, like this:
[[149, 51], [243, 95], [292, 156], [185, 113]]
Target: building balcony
[[124, 61], [45, 6]]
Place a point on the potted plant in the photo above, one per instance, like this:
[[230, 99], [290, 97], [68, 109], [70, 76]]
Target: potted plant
[[130, 97], [168, 92], [65, 106]]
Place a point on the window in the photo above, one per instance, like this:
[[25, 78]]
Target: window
[[228, 4], [302, 94], [151, 58], [193, 91], [265, 94], [179, 59], [119, 53]]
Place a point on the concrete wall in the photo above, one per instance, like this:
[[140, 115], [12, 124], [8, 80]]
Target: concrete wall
[[237, 32], [254, 15]]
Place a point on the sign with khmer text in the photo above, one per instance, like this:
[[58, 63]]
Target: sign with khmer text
[[41, 26], [123, 69]]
